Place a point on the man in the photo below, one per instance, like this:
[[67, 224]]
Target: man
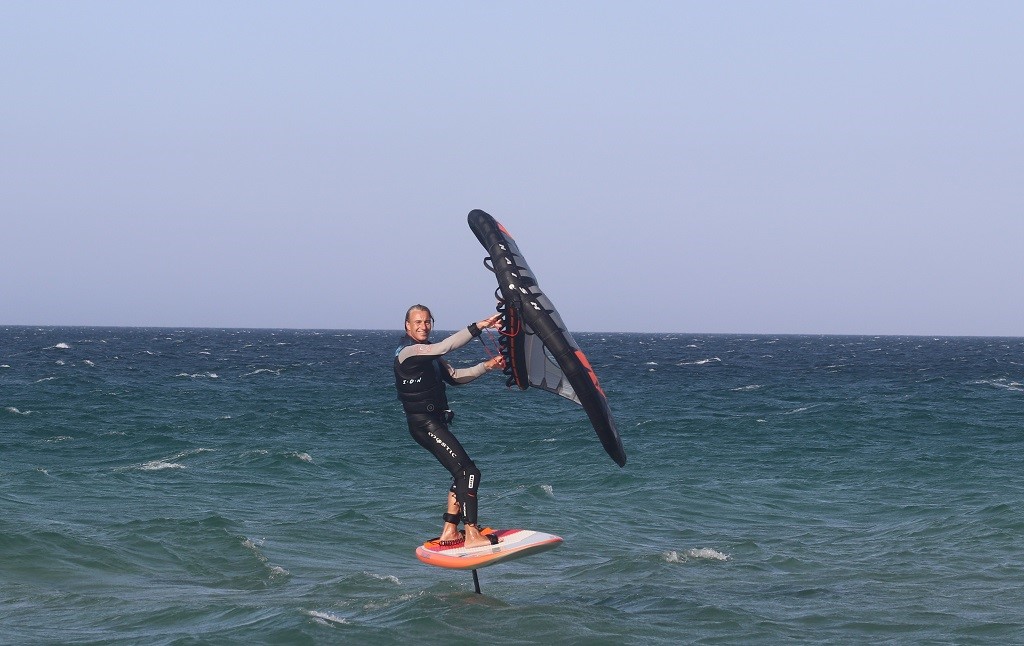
[[420, 377]]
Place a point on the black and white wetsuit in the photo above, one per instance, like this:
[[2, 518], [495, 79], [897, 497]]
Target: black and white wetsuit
[[420, 377]]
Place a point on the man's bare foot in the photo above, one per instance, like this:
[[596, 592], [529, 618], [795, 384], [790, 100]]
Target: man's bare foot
[[450, 535], [475, 539]]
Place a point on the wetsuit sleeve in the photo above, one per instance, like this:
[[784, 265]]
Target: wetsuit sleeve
[[459, 376], [455, 341]]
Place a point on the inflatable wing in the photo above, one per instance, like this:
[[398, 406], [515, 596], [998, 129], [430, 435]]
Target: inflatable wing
[[538, 349]]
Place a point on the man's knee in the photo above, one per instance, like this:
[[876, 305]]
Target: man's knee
[[469, 476]]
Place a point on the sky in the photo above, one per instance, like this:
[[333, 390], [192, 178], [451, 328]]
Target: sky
[[687, 167]]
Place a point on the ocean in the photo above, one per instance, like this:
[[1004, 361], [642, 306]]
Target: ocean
[[198, 486]]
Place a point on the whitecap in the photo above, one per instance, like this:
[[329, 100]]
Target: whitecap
[[253, 544], [548, 489], [700, 362], [326, 618], [89, 363], [708, 554], [391, 578], [1002, 383], [746, 388], [4, 366], [59, 346], [160, 465], [263, 370], [305, 457], [15, 411], [60, 438], [695, 554], [171, 462]]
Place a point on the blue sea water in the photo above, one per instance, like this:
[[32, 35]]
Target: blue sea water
[[185, 486]]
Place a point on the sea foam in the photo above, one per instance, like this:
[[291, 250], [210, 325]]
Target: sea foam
[[695, 554], [326, 618]]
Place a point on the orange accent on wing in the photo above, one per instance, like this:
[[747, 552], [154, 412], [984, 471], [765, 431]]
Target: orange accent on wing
[[593, 376], [503, 229]]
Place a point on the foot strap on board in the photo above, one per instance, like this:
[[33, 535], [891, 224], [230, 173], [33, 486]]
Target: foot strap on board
[[489, 534], [453, 542]]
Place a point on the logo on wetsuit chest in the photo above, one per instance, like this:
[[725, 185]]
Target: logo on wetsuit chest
[[406, 382]]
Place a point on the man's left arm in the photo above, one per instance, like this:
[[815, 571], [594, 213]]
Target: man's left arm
[[459, 376]]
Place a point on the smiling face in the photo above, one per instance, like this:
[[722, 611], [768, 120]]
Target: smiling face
[[418, 322]]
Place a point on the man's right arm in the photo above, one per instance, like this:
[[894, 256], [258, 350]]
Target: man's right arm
[[455, 341]]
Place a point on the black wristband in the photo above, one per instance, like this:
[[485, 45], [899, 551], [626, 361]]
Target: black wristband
[[474, 330]]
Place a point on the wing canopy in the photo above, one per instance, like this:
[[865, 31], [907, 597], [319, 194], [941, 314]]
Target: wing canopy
[[538, 348]]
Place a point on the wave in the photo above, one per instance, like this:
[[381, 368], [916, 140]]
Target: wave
[[264, 371], [325, 618], [695, 554], [198, 375], [390, 578], [275, 571], [700, 362], [14, 411], [264, 458], [170, 462], [160, 465], [1004, 384]]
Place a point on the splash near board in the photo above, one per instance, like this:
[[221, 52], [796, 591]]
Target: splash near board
[[512, 544], [538, 349]]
